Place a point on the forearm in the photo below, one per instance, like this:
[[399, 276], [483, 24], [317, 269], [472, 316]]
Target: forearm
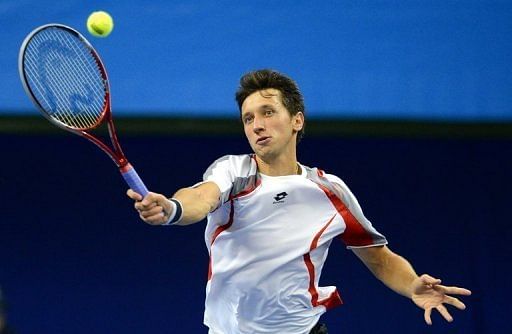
[[187, 206], [195, 206], [390, 268], [396, 273]]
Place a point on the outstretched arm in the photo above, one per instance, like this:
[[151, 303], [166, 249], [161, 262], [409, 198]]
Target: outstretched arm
[[196, 203], [398, 274]]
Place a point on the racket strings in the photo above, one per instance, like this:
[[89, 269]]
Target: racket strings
[[76, 67], [77, 121], [65, 78], [85, 116], [54, 102], [67, 69], [58, 104], [81, 66]]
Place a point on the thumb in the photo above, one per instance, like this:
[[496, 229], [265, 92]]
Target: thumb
[[427, 279], [133, 195], [148, 199], [166, 205]]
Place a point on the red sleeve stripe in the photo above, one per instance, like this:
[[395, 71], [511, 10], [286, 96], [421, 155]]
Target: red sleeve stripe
[[218, 231], [247, 190], [252, 185], [355, 234]]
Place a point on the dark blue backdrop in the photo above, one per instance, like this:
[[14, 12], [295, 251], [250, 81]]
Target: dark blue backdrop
[[75, 259]]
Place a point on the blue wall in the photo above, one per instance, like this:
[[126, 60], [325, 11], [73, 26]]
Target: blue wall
[[353, 59], [75, 259]]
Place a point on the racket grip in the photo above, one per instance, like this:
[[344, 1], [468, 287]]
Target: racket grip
[[132, 178]]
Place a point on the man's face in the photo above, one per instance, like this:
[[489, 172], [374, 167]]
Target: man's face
[[268, 125]]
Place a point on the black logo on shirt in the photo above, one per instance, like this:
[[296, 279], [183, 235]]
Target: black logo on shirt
[[279, 198]]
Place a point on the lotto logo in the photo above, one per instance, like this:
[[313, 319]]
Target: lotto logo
[[279, 198]]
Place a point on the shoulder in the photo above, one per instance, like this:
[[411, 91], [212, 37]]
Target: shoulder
[[232, 174], [338, 184], [233, 159], [334, 179], [329, 181], [315, 174], [238, 164]]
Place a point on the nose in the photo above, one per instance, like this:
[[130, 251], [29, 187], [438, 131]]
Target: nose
[[258, 124]]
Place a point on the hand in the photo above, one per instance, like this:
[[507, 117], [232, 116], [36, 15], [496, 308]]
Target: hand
[[154, 209], [428, 293]]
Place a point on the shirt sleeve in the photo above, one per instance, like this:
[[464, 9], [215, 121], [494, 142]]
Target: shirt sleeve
[[359, 230], [233, 174], [221, 172]]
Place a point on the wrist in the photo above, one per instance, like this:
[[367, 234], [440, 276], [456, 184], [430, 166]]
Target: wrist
[[177, 212]]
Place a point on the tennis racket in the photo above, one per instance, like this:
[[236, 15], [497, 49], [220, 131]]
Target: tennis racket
[[65, 78]]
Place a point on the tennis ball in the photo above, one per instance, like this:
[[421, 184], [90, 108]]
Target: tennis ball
[[100, 24]]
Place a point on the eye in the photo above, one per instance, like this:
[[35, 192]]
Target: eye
[[269, 112], [248, 119]]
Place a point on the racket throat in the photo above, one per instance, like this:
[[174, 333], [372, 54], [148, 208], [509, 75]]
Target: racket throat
[[125, 168], [123, 163]]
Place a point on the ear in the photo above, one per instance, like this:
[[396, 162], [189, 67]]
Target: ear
[[298, 121]]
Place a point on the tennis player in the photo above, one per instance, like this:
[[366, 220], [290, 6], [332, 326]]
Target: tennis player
[[270, 221]]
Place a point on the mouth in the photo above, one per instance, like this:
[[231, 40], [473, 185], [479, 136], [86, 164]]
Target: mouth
[[263, 140]]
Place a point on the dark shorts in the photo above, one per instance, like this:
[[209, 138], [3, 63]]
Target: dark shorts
[[319, 329]]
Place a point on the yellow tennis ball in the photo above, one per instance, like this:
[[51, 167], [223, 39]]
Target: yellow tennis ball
[[100, 24]]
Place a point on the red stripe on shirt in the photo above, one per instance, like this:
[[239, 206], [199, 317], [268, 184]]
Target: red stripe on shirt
[[247, 190], [354, 234], [334, 299], [218, 231], [312, 288]]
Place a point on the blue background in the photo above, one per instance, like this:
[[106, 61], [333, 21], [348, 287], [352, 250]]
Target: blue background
[[433, 60], [74, 258]]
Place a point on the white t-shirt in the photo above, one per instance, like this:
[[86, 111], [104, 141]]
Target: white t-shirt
[[268, 241]]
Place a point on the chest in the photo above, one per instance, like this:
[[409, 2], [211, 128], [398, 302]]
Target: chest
[[283, 207]]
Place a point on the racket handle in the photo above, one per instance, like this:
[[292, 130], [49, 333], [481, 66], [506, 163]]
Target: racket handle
[[132, 178]]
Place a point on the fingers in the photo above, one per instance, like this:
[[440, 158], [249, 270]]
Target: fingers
[[427, 316], [444, 299], [154, 219], [453, 290], [454, 302], [444, 312], [153, 209], [154, 214], [441, 309], [145, 205]]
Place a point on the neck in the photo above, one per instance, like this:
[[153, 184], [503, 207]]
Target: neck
[[278, 168]]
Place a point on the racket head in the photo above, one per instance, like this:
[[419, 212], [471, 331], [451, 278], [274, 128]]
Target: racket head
[[64, 77]]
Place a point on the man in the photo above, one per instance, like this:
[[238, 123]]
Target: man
[[271, 221]]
